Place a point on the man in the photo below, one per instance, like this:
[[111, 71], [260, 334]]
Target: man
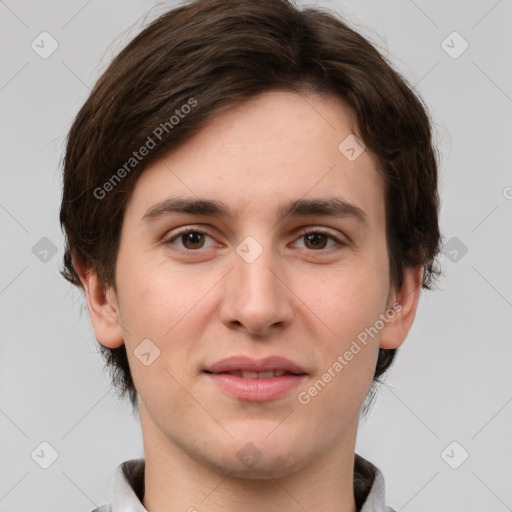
[[250, 205]]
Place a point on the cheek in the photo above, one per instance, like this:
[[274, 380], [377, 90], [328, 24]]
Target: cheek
[[349, 304], [347, 300], [171, 308], [161, 305], [157, 298]]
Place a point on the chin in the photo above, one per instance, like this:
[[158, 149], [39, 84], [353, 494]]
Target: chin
[[277, 466], [260, 458]]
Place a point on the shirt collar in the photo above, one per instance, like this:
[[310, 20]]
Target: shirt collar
[[128, 486], [128, 477]]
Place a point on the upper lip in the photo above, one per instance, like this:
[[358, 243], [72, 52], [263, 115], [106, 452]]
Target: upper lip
[[248, 364]]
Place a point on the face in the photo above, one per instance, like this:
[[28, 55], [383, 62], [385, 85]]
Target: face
[[246, 275]]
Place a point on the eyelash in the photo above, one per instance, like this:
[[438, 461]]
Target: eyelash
[[303, 233]]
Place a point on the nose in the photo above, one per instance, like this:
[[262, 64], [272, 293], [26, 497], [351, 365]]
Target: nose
[[257, 297]]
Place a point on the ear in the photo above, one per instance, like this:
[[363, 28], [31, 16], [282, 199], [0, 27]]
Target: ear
[[103, 307], [396, 329]]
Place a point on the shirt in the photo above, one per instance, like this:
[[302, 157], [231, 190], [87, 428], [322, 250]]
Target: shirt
[[127, 489]]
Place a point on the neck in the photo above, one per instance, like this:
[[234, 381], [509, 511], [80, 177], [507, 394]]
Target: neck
[[176, 481]]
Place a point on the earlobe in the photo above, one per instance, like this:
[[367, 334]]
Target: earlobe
[[396, 329], [103, 307]]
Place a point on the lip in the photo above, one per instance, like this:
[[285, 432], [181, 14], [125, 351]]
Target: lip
[[256, 390], [247, 364]]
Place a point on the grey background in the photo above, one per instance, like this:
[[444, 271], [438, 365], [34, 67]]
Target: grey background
[[451, 381]]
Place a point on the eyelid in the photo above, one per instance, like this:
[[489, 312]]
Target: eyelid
[[317, 229]]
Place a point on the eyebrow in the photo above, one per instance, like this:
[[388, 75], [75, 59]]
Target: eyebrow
[[325, 207]]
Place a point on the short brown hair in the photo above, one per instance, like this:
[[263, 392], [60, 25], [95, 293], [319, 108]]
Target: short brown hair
[[210, 55]]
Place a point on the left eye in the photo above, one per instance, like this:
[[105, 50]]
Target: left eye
[[317, 240]]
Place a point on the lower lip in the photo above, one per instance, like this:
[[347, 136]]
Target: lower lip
[[256, 390]]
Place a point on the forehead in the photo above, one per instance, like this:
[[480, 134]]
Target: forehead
[[263, 152]]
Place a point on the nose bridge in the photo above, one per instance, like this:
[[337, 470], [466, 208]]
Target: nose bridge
[[256, 296], [253, 266]]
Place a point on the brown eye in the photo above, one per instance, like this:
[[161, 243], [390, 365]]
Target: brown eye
[[192, 240], [320, 241], [316, 240], [189, 239]]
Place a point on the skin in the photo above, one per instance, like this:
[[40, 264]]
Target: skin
[[200, 302]]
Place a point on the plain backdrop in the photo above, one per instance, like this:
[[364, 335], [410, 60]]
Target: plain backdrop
[[449, 394]]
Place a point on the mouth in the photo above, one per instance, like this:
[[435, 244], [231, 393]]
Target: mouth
[[255, 375], [241, 365], [256, 379]]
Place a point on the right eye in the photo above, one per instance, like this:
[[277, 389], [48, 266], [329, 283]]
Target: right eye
[[191, 238]]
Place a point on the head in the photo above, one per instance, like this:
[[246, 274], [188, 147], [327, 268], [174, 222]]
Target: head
[[252, 106]]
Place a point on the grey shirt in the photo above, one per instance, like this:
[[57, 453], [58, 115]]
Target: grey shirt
[[127, 489]]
